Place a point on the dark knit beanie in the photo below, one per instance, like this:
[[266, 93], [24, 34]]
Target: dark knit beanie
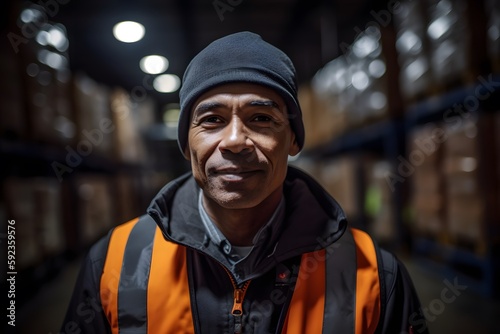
[[240, 57]]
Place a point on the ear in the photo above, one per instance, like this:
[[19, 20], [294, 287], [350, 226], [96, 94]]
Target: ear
[[294, 147]]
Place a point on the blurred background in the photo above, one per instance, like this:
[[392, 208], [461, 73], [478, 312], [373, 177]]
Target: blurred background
[[401, 105]]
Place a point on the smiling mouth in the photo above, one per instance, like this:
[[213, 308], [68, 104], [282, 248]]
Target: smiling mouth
[[231, 174]]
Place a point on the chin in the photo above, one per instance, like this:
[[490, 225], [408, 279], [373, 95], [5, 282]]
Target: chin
[[236, 202]]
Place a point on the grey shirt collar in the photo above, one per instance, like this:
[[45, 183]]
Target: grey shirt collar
[[233, 253]]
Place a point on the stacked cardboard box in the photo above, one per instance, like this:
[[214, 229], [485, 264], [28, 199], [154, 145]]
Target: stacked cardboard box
[[47, 200], [18, 195], [466, 195], [449, 39], [126, 196], [360, 87], [47, 83], [368, 74], [35, 205], [412, 47], [129, 146], [339, 177], [93, 117], [458, 32], [427, 187], [322, 119], [95, 207]]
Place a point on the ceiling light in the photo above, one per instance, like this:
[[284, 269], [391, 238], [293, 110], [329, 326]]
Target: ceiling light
[[360, 80], [128, 31], [154, 64], [439, 27], [377, 68], [167, 83], [52, 59], [57, 37], [30, 14], [365, 46], [468, 164], [377, 101]]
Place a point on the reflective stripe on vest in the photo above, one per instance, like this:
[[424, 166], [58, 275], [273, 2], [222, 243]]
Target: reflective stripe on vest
[[348, 300], [144, 285], [150, 295]]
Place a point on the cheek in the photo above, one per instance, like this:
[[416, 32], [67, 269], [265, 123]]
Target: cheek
[[197, 161], [200, 153], [278, 145]]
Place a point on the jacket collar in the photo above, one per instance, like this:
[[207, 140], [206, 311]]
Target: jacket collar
[[313, 221]]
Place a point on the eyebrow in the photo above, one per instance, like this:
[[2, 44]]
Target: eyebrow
[[207, 106], [264, 103]]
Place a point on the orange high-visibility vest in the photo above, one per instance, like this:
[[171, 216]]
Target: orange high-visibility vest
[[144, 285]]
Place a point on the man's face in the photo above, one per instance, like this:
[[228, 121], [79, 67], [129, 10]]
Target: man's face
[[238, 143]]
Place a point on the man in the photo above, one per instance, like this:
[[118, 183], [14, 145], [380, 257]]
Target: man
[[244, 243]]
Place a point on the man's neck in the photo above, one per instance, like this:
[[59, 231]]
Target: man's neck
[[240, 226]]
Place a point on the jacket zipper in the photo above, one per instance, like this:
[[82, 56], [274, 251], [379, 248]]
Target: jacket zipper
[[239, 296]]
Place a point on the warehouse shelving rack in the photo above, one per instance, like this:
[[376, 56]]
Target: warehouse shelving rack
[[478, 271], [388, 139]]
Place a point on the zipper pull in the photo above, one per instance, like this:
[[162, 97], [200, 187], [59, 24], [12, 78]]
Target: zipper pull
[[237, 310], [239, 296], [238, 302]]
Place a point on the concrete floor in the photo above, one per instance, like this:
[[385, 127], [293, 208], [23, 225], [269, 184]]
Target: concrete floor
[[468, 313]]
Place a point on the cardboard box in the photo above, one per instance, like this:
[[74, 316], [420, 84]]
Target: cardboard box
[[129, 146], [466, 220], [427, 186], [35, 205], [458, 37], [449, 47], [428, 202], [125, 195], [472, 183], [50, 117], [430, 225], [361, 87], [18, 194], [428, 213], [48, 208], [322, 121], [95, 127], [339, 177], [426, 142], [413, 50], [95, 207]]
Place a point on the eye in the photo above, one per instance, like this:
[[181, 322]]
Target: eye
[[262, 118], [211, 120]]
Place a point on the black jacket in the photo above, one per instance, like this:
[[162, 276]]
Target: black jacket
[[313, 219]]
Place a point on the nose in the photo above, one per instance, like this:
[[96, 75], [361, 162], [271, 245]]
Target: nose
[[235, 138]]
